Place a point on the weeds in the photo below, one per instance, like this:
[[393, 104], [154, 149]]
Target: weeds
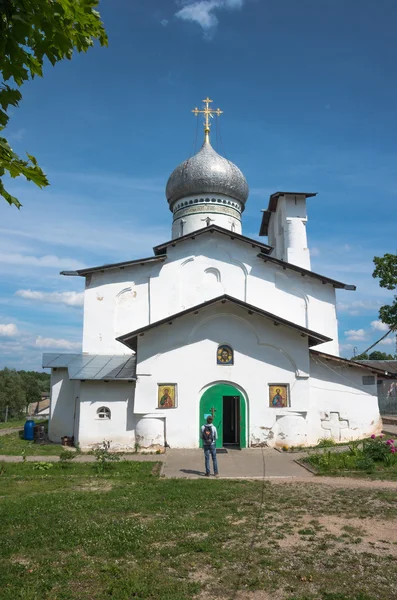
[[103, 457]]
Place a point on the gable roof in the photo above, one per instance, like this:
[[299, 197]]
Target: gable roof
[[263, 248], [351, 363], [100, 367], [272, 207], [304, 272], [130, 339]]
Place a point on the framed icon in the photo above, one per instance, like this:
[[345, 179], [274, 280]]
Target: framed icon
[[279, 395], [166, 395], [224, 355]]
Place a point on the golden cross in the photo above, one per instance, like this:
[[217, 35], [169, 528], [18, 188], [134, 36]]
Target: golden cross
[[213, 411], [208, 113]]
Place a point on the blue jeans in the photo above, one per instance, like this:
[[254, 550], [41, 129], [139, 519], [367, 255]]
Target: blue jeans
[[210, 450]]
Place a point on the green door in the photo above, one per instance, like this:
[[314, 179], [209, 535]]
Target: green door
[[212, 403]]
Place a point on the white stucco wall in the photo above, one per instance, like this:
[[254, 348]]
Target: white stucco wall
[[342, 406], [64, 405], [118, 301], [185, 353], [120, 429]]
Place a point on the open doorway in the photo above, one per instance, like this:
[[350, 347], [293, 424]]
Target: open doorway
[[231, 420]]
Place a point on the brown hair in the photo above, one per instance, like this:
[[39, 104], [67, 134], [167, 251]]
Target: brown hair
[[209, 419]]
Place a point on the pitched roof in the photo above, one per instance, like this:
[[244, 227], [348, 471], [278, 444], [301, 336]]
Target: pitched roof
[[304, 272], [93, 366], [389, 366], [351, 363], [272, 207], [129, 339], [264, 248], [120, 265]]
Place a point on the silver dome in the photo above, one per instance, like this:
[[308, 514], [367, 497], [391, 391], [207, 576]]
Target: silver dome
[[207, 173]]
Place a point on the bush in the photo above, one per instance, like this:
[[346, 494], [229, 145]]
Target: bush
[[103, 457]]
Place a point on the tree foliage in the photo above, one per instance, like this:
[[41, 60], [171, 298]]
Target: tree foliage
[[32, 31], [18, 389], [386, 272], [12, 393], [376, 355]]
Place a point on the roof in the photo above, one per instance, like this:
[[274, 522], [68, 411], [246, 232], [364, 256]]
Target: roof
[[272, 207], [120, 265], [129, 339], [264, 248], [389, 366], [93, 366], [351, 363], [304, 272]]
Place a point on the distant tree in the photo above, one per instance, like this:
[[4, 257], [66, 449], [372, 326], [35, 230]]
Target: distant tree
[[376, 355], [31, 386], [386, 271], [30, 32], [12, 394]]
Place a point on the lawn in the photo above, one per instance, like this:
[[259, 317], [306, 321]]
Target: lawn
[[20, 423], [14, 444], [69, 533]]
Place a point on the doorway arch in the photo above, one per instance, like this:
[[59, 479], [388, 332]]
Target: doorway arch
[[228, 407]]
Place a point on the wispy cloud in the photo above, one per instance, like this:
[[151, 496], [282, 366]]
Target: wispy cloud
[[8, 330], [68, 298], [203, 12], [17, 135], [40, 261], [389, 341], [358, 307], [355, 335], [56, 344]]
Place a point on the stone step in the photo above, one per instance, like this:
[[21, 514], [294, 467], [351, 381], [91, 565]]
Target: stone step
[[390, 430]]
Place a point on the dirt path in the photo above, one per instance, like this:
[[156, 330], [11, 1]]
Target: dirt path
[[10, 430], [340, 482]]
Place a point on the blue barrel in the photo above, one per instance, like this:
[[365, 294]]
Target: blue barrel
[[28, 430]]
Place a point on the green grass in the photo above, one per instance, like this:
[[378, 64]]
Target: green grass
[[70, 534], [13, 444], [20, 423], [349, 464]]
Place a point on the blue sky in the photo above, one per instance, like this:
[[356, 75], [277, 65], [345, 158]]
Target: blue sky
[[309, 93]]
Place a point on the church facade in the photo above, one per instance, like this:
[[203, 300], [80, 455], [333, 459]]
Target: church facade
[[213, 323]]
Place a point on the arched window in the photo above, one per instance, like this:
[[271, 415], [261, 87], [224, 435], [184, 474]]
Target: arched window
[[225, 355], [104, 413]]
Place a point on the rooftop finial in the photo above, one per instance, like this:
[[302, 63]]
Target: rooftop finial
[[209, 114]]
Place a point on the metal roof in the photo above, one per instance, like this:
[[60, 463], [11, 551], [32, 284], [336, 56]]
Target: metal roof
[[264, 248], [93, 366], [120, 265], [390, 366], [129, 339], [303, 272], [354, 363]]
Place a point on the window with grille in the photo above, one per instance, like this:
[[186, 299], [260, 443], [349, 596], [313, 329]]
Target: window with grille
[[104, 413]]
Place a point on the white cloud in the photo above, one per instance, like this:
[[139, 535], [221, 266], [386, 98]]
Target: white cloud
[[314, 251], [355, 335], [68, 298], [164, 22], [379, 326], [17, 135], [358, 307], [9, 330], [202, 13], [389, 341], [56, 344], [40, 261]]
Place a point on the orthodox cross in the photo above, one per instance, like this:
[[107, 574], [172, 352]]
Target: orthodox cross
[[213, 411], [208, 113]]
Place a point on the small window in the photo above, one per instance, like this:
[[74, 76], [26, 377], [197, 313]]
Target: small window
[[104, 413], [368, 379]]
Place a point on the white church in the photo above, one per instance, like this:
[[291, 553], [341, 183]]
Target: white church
[[213, 323]]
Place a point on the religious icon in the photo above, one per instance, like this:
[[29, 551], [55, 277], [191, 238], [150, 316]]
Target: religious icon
[[224, 356], [278, 396], [166, 395]]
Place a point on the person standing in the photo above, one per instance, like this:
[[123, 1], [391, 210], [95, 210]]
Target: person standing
[[209, 435]]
